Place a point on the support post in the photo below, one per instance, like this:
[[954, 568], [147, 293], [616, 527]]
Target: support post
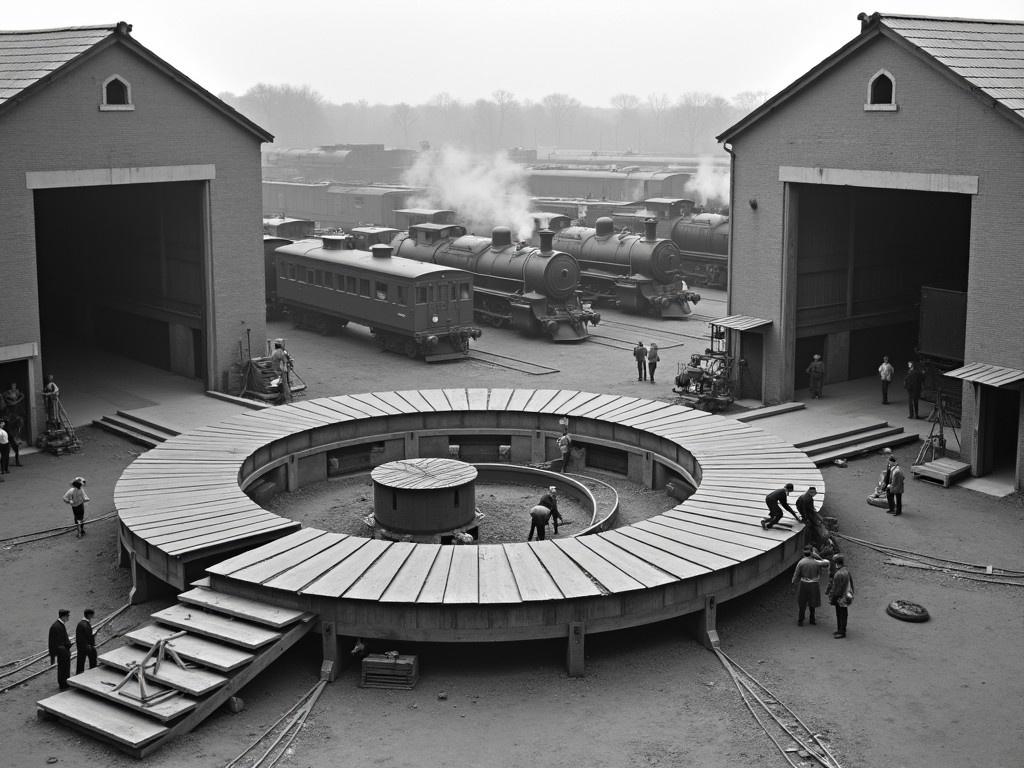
[[707, 629], [292, 476], [574, 649], [141, 583], [330, 666]]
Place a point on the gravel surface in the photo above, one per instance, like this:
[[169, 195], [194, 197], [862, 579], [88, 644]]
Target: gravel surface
[[342, 504]]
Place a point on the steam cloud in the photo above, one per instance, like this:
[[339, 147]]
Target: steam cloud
[[486, 191], [709, 185]]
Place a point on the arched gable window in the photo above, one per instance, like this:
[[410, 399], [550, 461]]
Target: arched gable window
[[881, 92], [116, 95]]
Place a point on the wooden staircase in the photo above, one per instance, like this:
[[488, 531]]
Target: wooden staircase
[[855, 441], [135, 428], [225, 641]]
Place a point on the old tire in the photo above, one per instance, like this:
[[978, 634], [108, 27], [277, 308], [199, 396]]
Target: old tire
[[907, 611]]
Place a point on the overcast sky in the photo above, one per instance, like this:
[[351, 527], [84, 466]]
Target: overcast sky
[[387, 51]]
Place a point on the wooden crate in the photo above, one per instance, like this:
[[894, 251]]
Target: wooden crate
[[380, 671]]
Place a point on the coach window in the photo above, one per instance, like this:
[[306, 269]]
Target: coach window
[[310, 277], [442, 292], [400, 295], [380, 290], [339, 282], [421, 294], [463, 290], [292, 274], [881, 92], [364, 288], [350, 284], [116, 95], [319, 277]]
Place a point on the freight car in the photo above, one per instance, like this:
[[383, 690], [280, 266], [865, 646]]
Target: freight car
[[638, 273], [423, 310], [702, 238], [531, 289]]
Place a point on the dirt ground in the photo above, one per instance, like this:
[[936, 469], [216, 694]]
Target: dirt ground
[[945, 693], [948, 692]]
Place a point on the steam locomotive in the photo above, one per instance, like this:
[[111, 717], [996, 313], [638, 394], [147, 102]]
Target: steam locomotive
[[702, 238], [640, 273], [531, 289], [422, 310]]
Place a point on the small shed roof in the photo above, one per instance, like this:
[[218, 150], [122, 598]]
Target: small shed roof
[[32, 59], [983, 373], [741, 322], [985, 56]]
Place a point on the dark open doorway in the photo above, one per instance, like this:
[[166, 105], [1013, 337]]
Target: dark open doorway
[[121, 268]]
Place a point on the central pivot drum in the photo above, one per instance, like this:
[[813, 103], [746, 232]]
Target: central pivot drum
[[425, 500]]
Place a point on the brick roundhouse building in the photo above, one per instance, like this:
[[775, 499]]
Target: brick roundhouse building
[[132, 211], [891, 171]]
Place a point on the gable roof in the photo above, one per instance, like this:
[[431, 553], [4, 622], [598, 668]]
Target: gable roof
[[984, 56], [32, 59]]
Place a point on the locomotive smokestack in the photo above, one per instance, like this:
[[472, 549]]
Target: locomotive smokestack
[[501, 237], [381, 251], [547, 237], [650, 229], [334, 242], [605, 226]]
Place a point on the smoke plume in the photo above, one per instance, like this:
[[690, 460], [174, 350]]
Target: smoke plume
[[710, 185], [484, 190]]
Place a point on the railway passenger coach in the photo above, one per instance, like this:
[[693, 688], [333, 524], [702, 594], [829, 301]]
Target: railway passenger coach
[[421, 310], [531, 289]]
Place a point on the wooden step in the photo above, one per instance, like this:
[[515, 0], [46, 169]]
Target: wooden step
[[866, 447], [770, 410], [108, 721], [210, 654], [160, 430], [944, 470], [126, 431], [203, 583], [101, 681], [242, 608], [195, 682], [848, 432], [226, 630], [833, 442]]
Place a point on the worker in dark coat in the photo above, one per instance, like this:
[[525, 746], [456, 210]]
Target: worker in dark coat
[[776, 501], [812, 520], [840, 594], [912, 382], [85, 642], [550, 500], [60, 647], [640, 354]]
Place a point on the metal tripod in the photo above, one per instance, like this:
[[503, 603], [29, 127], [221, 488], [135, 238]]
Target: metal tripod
[[935, 444]]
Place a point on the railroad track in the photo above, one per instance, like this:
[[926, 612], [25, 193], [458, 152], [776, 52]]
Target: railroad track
[[512, 363], [796, 742]]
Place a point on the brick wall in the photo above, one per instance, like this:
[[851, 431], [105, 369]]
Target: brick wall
[[939, 129], [60, 128]]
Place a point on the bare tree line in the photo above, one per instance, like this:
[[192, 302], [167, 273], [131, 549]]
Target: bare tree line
[[685, 124]]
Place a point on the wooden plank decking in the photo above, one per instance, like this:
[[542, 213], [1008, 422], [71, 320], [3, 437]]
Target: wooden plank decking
[[183, 498]]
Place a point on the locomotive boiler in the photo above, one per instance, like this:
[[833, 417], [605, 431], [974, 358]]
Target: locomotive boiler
[[639, 273], [528, 288], [702, 238]]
